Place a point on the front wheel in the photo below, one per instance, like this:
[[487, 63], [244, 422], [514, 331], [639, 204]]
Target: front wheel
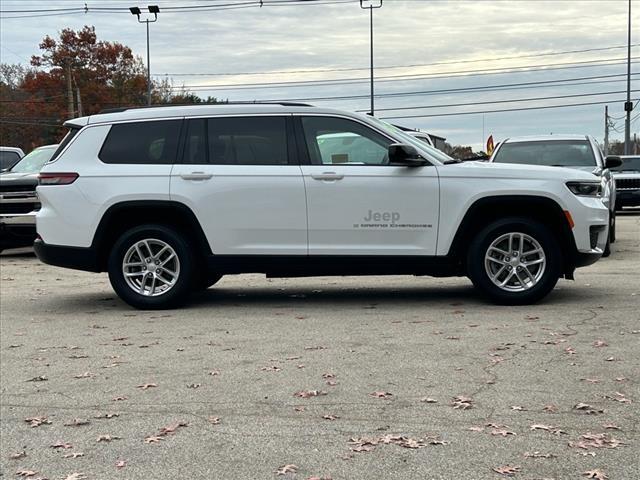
[[514, 261], [151, 267]]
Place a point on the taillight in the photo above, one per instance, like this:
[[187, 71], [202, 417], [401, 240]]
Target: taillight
[[57, 178]]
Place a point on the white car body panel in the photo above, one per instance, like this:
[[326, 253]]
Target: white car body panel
[[246, 209], [354, 215]]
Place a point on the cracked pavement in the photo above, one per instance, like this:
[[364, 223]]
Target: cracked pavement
[[240, 351]]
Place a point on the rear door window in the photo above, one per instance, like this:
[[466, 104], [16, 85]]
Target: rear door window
[[236, 141], [151, 142]]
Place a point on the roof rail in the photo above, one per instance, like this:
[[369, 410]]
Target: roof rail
[[159, 105]]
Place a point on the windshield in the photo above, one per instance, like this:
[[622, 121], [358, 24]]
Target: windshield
[[433, 152], [555, 153], [629, 164], [34, 161]]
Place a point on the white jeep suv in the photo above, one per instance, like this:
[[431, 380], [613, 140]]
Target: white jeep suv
[[170, 199]]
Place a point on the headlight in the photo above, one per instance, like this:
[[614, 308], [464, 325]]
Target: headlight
[[585, 189]]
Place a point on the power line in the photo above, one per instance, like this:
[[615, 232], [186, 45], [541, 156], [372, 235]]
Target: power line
[[501, 110], [326, 70], [492, 102], [407, 78], [463, 90]]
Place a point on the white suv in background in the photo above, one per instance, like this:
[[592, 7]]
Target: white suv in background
[[581, 152], [169, 199]]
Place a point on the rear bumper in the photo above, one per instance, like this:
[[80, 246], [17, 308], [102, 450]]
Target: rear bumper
[[76, 258], [17, 230]]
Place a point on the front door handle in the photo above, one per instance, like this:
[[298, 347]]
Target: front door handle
[[331, 176], [196, 176]]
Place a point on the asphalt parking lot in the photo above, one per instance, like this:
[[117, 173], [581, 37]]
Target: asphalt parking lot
[[341, 378]]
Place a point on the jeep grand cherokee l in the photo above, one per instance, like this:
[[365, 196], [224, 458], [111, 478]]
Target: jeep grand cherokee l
[[169, 199]]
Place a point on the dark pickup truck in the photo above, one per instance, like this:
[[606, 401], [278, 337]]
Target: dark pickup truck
[[19, 201]]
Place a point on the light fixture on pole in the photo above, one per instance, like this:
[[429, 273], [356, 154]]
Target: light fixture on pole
[[370, 7], [137, 12]]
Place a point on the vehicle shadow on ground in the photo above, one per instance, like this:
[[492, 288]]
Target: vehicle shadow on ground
[[314, 296]]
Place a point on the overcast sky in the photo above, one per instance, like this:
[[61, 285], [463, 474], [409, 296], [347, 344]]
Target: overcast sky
[[464, 35]]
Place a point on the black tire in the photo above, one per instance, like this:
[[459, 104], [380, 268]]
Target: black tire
[[173, 297], [612, 227], [207, 280], [607, 247], [537, 231]]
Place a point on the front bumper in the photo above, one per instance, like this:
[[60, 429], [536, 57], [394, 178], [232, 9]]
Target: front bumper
[[17, 230]]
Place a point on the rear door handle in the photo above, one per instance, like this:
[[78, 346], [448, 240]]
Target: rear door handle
[[196, 176], [327, 176]]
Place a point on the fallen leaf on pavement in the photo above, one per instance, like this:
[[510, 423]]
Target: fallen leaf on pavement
[[506, 470], [73, 455], [538, 455], [502, 432], [518, 408], [107, 415], [309, 393], [330, 417], [284, 469], [462, 403], [428, 400], [39, 378], [119, 399], [596, 473], [76, 422], [381, 394], [17, 455], [75, 476], [121, 464], [214, 420], [586, 408], [61, 445], [596, 440], [550, 409], [26, 473], [84, 375], [170, 429], [37, 421], [146, 386], [194, 385], [153, 439], [600, 343], [107, 438]]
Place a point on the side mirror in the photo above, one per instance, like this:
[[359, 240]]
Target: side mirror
[[400, 154], [612, 161]]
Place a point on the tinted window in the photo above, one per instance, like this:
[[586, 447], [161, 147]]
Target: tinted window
[[153, 142], [247, 141], [561, 153], [339, 141], [8, 159]]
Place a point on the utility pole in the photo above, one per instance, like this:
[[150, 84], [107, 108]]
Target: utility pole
[[136, 11], [78, 101], [628, 106], [606, 130], [371, 7], [69, 91]]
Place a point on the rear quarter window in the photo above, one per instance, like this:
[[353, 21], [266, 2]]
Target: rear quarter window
[[151, 142], [8, 159]]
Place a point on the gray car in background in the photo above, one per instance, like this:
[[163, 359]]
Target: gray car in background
[[581, 152]]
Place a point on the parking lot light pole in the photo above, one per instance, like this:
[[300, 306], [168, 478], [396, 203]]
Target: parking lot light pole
[[136, 11], [370, 7]]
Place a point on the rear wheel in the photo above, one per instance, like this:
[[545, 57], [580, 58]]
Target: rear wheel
[[151, 267], [514, 261]]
